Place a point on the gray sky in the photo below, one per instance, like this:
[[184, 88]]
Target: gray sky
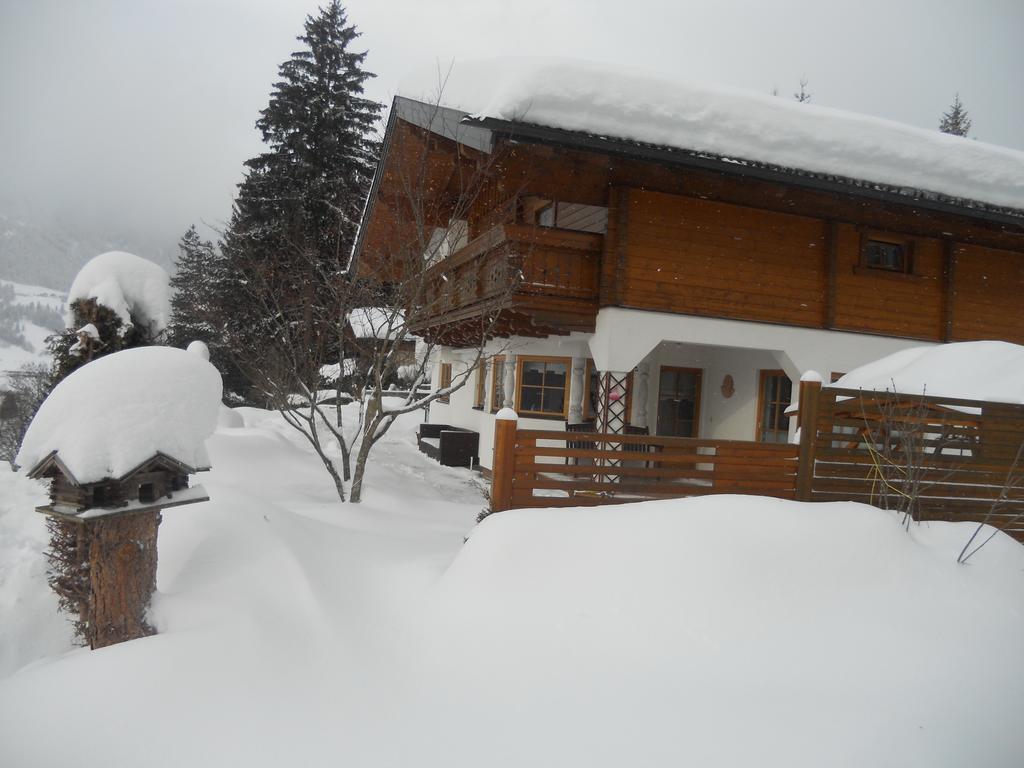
[[138, 114]]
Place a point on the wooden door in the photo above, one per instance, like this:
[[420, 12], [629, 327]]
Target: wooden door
[[679, 402]]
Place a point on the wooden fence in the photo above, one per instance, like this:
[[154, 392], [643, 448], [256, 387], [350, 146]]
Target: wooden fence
[[931, 458], [538, 468]]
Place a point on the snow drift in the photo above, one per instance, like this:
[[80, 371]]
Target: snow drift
[[128, 285], [724, 631], [613, 101], [971, 370], [116, 412]]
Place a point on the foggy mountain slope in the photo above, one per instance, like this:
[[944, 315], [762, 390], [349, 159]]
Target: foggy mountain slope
[[48, 252]]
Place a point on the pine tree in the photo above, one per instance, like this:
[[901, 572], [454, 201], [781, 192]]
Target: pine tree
[[191, 306], [956, 121], [298, 209], [201, 305]]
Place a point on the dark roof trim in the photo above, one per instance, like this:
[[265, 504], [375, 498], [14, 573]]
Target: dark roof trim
[[364, 220], [752, 169]]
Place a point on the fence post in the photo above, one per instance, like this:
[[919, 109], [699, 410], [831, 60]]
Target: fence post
[[810, 394], [504, 462]]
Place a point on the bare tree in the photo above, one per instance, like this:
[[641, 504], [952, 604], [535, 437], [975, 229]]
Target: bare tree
[[803, 95], [409, 282], [301, 337]]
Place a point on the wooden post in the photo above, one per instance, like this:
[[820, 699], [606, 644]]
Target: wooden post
[[122, 576], [810, 393], [504, 462]]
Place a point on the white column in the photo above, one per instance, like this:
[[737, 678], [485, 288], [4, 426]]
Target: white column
[[510, 381], [577, 386], [640, 395]]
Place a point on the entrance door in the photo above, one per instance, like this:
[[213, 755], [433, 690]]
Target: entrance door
[[679, 402]]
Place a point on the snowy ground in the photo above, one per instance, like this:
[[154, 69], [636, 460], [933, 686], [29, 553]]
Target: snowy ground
[[720, 632]]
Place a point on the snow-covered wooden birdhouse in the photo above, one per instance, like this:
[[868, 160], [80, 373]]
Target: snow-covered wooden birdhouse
[[118, 439], [124, 433]]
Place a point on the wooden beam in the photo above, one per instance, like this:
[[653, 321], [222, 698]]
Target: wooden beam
[[949, 288], [831, 268]]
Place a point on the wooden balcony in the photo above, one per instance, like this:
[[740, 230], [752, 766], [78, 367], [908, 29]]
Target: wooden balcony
[[541, 282]]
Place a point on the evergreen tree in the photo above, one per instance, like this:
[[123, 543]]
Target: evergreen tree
[[201, 304], [955, 121], [192, 305], [298, 209]]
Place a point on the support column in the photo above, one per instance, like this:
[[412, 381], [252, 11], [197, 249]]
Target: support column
[[640, 395], [577, 386], [611, 415], [510, 382]]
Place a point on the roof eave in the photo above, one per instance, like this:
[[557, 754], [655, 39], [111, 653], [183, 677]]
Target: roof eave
[[763, 172]]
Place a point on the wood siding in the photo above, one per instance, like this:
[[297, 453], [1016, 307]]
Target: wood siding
[[894, 304], [988, 292], [700, 257]]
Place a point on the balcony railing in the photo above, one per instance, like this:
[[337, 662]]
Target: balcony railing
[[548, 270]]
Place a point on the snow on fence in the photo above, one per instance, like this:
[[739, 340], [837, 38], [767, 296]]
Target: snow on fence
[[931, 458]]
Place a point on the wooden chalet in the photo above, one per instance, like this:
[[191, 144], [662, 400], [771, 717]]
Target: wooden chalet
[[632, 287]]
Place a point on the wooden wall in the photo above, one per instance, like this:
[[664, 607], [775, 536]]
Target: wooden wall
[[705, 243], [894, 304], [700, 257], [988, 295]]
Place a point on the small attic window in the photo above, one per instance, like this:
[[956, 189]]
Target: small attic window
[[888, 254], [99, 496], [147, 493], [574, 216]]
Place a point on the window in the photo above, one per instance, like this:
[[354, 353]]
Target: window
[[444, 380], [444, 241], [776, 395], [543, 386], [497, 384], [480, 391], [889, 254], [147, 493], [575, 216]]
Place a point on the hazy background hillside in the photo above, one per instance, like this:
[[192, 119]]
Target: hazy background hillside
[[46, 250]]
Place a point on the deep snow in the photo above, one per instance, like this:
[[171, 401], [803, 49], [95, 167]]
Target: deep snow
[[971, 370], [112, 414], [725, 631], [126, 284]]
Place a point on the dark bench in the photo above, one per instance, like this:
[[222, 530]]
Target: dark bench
[[448, 445]]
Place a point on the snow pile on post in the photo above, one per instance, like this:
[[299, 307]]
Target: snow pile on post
[[126, 284], [738, 125], [116, 412], [969, 370]]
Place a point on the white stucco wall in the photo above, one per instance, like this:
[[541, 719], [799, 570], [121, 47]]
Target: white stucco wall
[[625, 338]]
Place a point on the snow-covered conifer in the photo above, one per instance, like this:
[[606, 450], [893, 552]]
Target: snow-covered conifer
[[955, 120]]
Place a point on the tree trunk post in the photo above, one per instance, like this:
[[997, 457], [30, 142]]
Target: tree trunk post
[[122, 576], [810, 394], [503, 464]]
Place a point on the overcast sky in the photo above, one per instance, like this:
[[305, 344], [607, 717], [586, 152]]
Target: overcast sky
[[138, 114]]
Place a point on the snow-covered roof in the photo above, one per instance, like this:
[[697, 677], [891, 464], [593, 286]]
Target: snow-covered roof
[[970, 370], [728, 123], [117, 412], [126, 284], [376, 322], [329, 373]]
